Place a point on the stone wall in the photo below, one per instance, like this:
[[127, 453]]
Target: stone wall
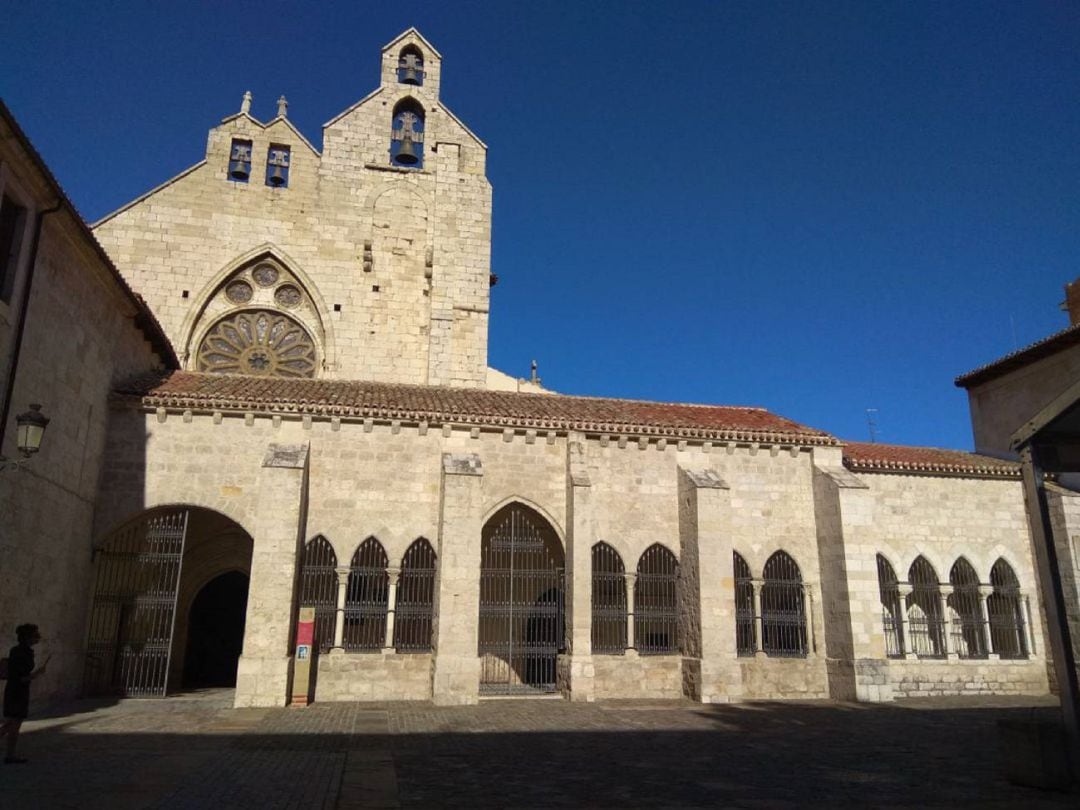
[[638, 676], [967, 677], [373, 676]]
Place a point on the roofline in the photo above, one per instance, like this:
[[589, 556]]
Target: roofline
[[348, 110], [1009, 470], [439, 105], [147, 194], [1051, 411], [410, 30], [1047, 347], [144, 319]]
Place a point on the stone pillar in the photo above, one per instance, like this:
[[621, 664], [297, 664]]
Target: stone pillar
[[631, 580], [581, 534], [902, 621], [265, 667], [944, 593], [759, 635], [393, 573], [339, 615], [985, 591], [456, 669], [808, 611], [711, 671]]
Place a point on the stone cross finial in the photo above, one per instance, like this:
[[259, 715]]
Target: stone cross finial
[[245, 105], [282, 107]]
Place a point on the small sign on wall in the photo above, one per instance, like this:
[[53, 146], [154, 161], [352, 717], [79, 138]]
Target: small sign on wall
[[302, 669]]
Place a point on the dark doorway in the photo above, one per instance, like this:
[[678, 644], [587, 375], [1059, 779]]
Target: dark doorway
[[216, 631]]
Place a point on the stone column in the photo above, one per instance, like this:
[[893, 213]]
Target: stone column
[[339, 615], [902, 621], [581, 534], [265, 667], [808, 610], [393, 573], [707, 588], [985, 591], [631, 580], [456, 668], [944, 593], [759, 627]]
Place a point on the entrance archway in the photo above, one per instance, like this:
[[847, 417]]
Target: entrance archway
[[521, 628], [215, 635], [149, 573]]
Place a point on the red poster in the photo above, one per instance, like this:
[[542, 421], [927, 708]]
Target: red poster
[[305, 633]]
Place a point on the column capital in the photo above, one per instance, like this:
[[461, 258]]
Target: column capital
[[394, 573], [904, 589], [342, 572], [986, 590], [630, 577]]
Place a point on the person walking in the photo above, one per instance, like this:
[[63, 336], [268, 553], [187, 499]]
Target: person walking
[[20, 672]]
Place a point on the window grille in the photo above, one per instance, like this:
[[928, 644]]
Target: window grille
[[889, 590], [12, 225], [411, 66], [365, 598], [608, 601], [415, 599], [968, 632], [783, 612], [277, 166], [240, 160], [1008, 633], [407, 135], [318, 588], [655, 602], [744, 607], [926, 625]]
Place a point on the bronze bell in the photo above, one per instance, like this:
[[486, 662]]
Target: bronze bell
[[407, 153], [277, 176], [239, 170], [410, 75]]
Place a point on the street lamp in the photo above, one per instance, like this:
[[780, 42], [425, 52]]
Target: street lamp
[[29, 431]]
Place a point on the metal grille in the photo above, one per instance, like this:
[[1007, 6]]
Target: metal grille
[[889, 590], [1008, 633], [744, 607], [521, 605], [365, 598], [415, 599], [783, 612], [318, 588], [608, 601], [134, 608], [926, 625], [656, 616], [965, 612]]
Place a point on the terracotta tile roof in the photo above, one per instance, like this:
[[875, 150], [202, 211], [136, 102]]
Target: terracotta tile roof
[[863, 457], [1046, 347], [352, 399]]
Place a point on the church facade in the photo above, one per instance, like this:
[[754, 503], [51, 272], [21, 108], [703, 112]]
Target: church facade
[[329, 479]]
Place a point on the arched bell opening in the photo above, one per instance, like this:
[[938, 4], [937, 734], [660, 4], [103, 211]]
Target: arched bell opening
[[521, 629], [407, 135], [411, 66], [148, 575], [215, 635]]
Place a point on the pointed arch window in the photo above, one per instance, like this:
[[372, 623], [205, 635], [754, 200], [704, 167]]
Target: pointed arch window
[[608, 601], [744, 607], [656, 630], [783, 612], [965, 611], [407, 135], [411, 66], [891, 616], [926, 624], [415, 599], [1005, 606], [318, 588], [366, 598]]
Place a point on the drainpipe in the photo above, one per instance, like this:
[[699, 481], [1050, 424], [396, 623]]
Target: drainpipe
[[24, 308]]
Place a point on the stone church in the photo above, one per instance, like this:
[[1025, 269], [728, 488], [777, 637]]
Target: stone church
[[304, 479]]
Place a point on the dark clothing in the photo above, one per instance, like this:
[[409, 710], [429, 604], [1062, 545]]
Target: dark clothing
[[17, 688]]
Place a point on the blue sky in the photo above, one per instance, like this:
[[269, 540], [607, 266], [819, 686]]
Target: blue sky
[[814, 207]]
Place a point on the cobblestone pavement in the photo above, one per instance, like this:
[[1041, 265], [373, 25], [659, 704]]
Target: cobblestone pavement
[[196, 752]]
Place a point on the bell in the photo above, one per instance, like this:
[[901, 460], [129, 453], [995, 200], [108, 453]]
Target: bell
[[277, 177], [410, 75], [407, 153], [239, 171]]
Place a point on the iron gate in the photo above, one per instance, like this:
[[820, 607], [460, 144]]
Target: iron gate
[[521, 607], [134, 609]]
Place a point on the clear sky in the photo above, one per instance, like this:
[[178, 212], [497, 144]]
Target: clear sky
[[814, 207]]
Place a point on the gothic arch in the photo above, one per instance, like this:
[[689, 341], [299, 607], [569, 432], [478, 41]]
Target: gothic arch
[[204, 313], [544, 513]]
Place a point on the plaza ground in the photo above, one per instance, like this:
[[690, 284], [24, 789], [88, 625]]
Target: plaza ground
[[194, 751]]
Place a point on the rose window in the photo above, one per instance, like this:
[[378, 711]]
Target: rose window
[[266, 344]]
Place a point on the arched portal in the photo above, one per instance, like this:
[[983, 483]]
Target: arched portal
[[148, 575], [215, 634], [521, 630]]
